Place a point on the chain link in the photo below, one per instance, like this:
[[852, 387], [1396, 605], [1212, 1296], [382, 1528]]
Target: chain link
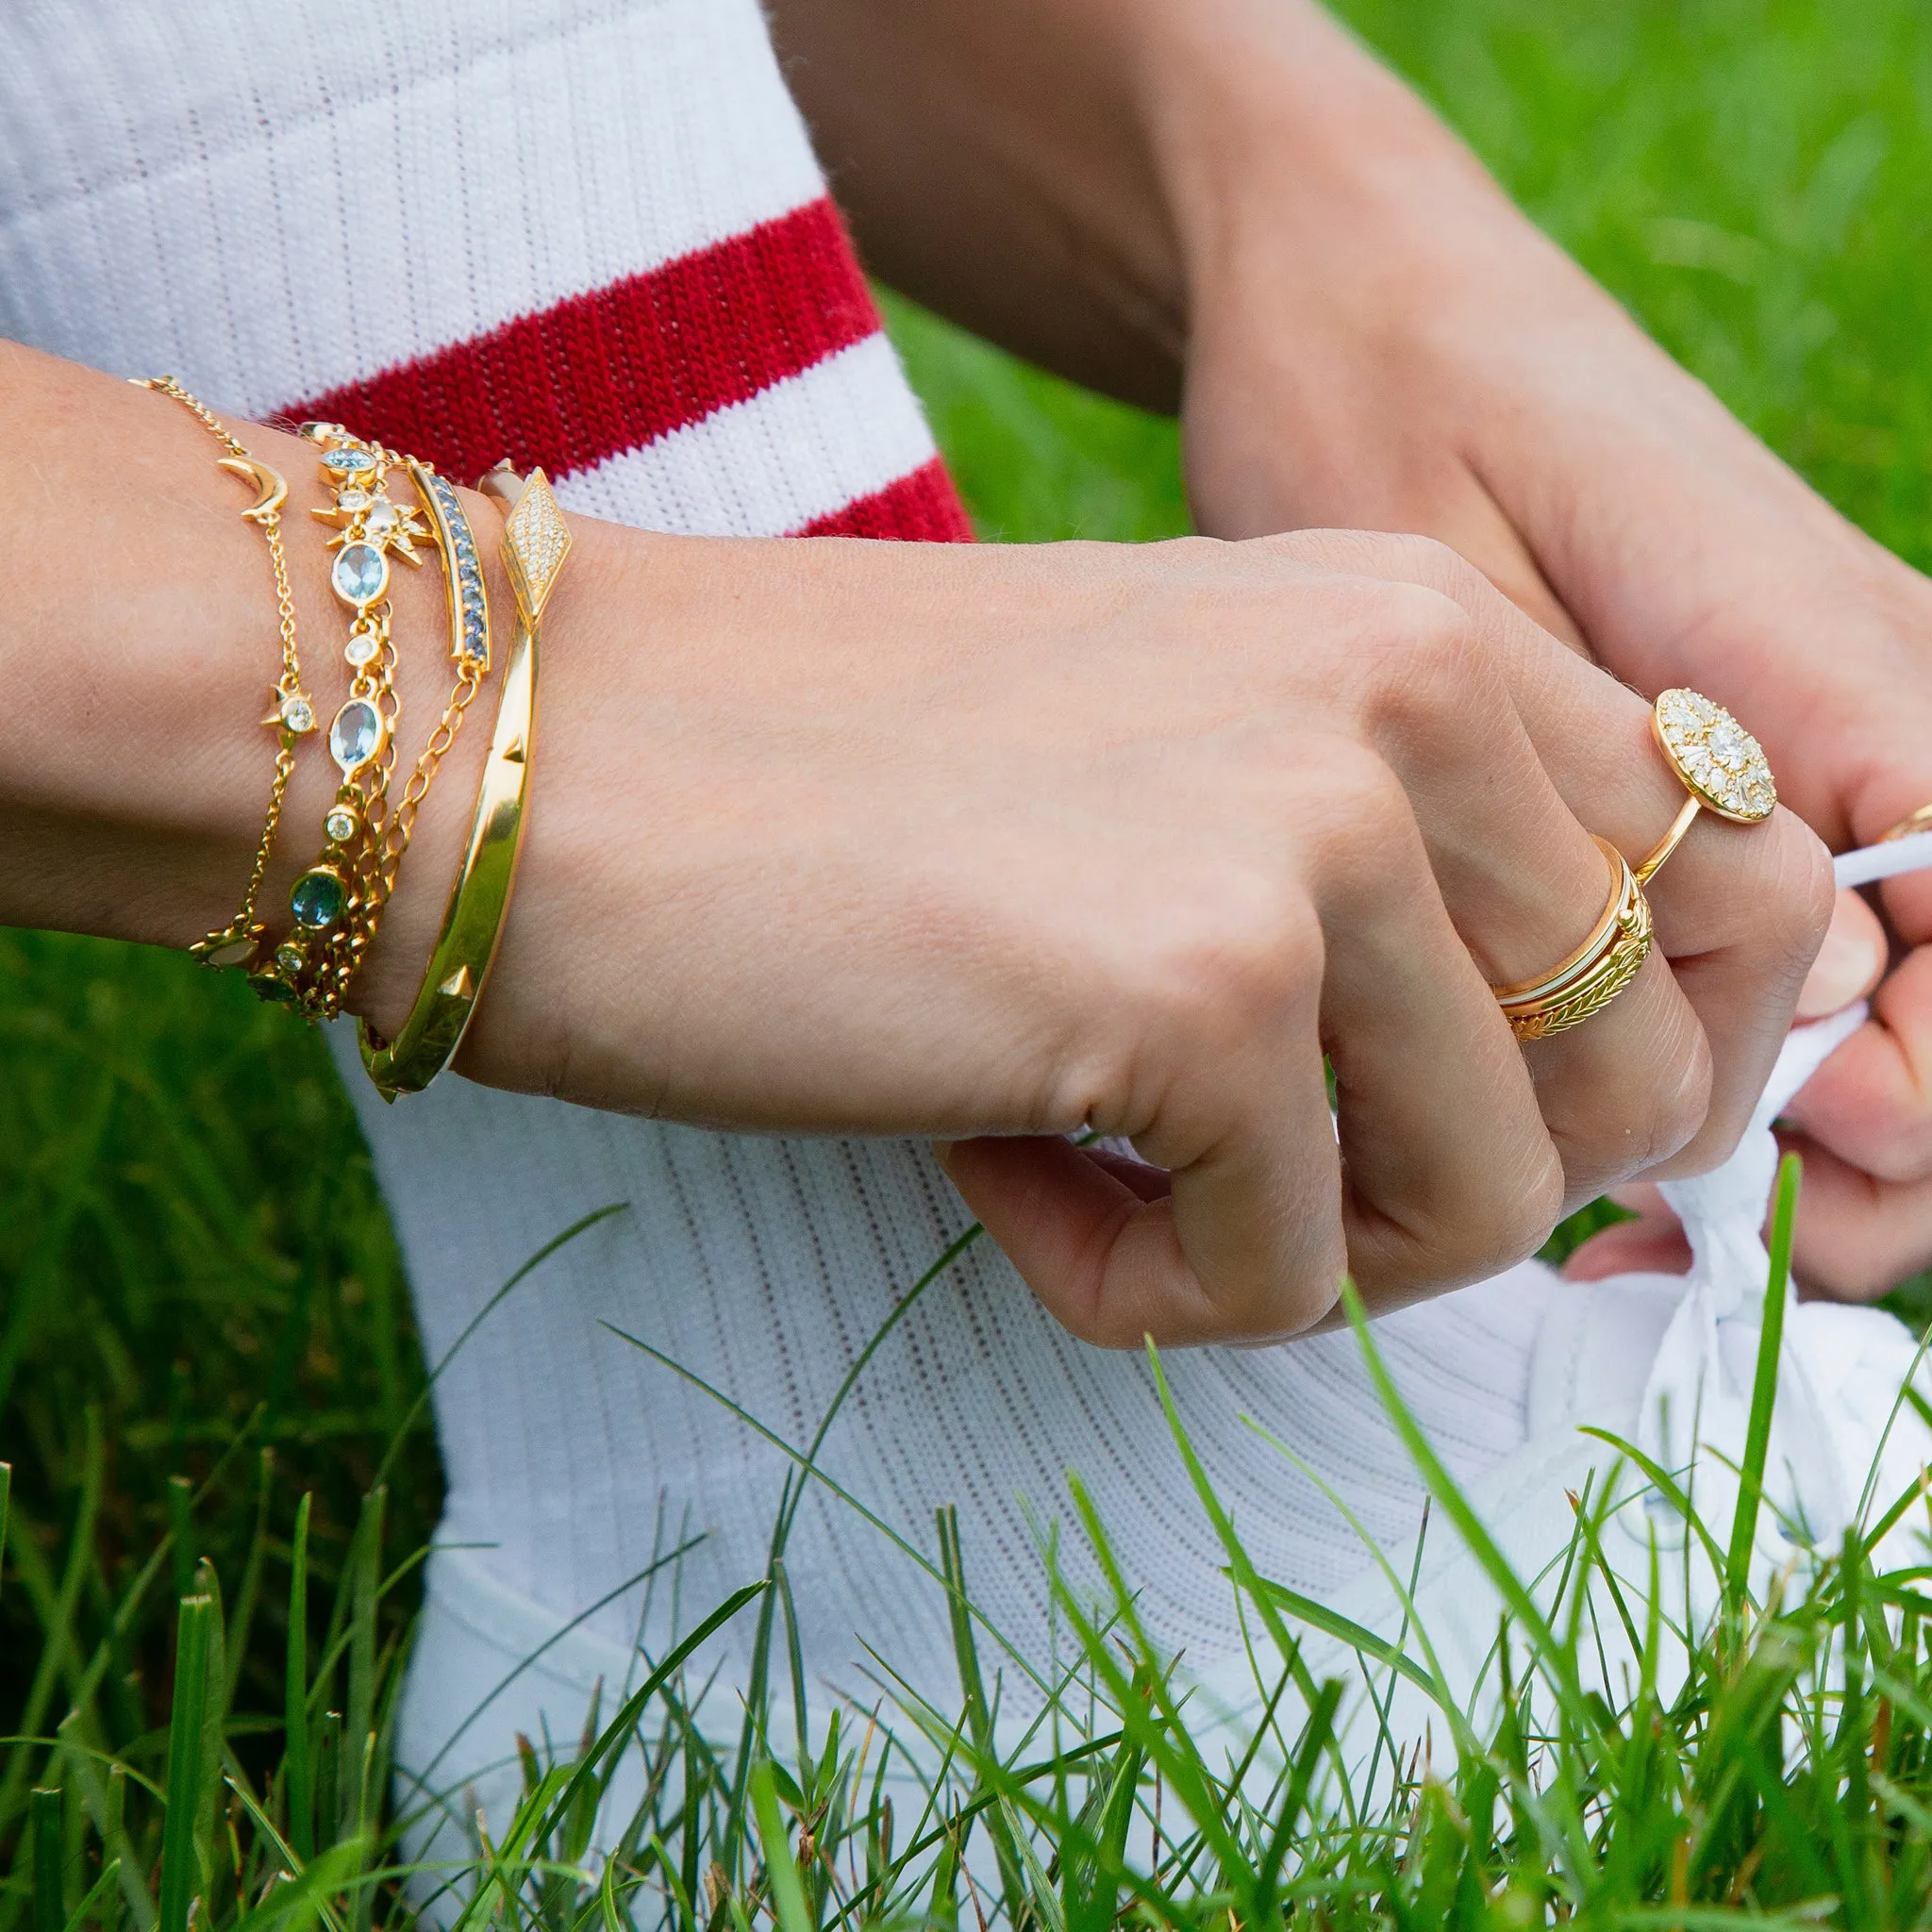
[[216, 947]]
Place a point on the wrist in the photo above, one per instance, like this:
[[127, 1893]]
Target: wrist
[[137, 765]]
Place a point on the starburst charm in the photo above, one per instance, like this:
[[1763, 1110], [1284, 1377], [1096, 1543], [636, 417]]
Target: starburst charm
[[367, 516], [290, 710], [1724, 766]]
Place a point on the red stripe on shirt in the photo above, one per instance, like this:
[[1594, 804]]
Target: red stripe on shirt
[[623, 365], [921, 508]]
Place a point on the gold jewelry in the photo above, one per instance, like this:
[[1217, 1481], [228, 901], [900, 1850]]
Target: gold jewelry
[[1919, 821], [291, 713], [339, 901], [536, 541], [331, 900], [1719, 764], [1593, 975]]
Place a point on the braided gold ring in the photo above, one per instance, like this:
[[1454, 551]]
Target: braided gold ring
[[1584, 983]]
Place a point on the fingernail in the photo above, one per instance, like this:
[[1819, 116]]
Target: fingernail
[[1849, 963]]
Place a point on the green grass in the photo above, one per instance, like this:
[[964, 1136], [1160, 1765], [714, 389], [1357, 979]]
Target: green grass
[[1770, 1761], [203, 1320]]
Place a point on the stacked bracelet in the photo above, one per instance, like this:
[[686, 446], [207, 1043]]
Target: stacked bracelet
[[337, 904], [536, 541], [291, 714]]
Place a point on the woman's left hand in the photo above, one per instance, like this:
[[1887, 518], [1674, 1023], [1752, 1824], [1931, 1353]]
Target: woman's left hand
[[1403, 351]]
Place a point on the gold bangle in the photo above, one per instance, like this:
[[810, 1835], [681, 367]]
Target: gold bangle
[[536, 541], [1591, 976], [291, 713], [1919, 821], [1716, 760]]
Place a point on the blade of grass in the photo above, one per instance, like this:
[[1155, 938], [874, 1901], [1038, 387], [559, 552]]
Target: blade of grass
[[1763, 1394], [44, 1831], [181, 1875], [781, 1869], [299, 1766]]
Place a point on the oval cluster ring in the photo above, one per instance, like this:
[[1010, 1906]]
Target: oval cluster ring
[[1596, 972], [1718, 762]]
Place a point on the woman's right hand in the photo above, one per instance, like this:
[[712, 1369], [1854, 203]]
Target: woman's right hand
[[992, 844]]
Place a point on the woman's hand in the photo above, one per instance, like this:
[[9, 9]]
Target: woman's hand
[[994, 845], [1230, 205], [999, 845], [1380, 340]]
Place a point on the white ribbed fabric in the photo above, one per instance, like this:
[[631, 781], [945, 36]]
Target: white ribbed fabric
[[202, 190]]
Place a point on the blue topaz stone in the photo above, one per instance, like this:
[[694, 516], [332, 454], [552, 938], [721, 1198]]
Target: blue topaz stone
[[361, 573], [356, 737], [348, 462], [320, 898]]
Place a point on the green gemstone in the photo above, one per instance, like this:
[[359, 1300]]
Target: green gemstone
[[319, 898], [273, 987]]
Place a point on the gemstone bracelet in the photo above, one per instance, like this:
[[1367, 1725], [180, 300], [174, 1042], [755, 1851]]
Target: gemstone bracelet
[[337, 903], [333, 902]]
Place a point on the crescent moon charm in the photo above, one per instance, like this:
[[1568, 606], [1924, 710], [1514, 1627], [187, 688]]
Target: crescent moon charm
[[273, 490]]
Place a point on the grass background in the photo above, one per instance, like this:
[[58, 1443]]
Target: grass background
[[188, 1230]]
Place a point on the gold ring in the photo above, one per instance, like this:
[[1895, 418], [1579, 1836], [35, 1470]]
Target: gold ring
[[1585, 982], [1720, 764], [1919, 821]]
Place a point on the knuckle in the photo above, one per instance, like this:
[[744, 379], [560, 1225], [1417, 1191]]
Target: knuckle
[[1235, 949], [1636, 1124], [1507, 1223], [1428, 678]]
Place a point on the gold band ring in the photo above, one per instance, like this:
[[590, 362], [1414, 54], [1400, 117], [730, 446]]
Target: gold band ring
[[1718, 762], [1919, 821], [1591, 975]]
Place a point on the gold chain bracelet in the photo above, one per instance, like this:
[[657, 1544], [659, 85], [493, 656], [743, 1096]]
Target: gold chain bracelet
[[291, 712], [339, 901], [333, 901]]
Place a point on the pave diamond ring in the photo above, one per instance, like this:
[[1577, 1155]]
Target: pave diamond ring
[[1720, 764]]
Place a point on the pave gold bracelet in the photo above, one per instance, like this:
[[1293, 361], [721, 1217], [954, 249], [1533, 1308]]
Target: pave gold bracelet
[[291, 712], [536, 541]]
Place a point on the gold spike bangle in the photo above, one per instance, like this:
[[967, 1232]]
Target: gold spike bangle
[[535, 543], [291, 712]]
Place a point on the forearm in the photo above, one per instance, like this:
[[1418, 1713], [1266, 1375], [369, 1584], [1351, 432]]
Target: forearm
[[1082, 179]]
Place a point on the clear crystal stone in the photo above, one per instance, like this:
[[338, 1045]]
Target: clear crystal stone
[[352, 500], [361, 647], [342, 825], [381, 519], [297, 714], [356, 737], [361, 573]]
